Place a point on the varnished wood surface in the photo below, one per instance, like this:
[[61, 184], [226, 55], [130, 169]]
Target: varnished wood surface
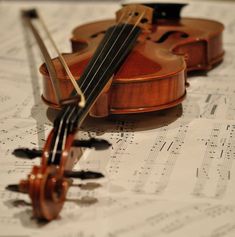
[[153, 76]]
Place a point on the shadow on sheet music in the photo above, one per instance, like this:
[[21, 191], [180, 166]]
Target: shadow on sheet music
[[142, 122], [137, 122]]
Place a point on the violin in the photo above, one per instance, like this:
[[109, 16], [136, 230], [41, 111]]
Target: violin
[[153, 75], [137, 63]]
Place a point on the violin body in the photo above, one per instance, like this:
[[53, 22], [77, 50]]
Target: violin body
[[153, 76], [145, 82]]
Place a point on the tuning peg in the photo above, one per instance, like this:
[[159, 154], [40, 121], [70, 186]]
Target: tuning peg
[[98, 144], [13, 188], [83, 174], [27, 153]]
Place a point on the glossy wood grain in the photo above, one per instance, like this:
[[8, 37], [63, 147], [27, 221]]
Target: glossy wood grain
[[153, 76]]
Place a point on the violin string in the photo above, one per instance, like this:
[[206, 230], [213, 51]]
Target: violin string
[[110, 36], [137, 22], [103, 60], [66, 127], [58, 131], [70, 111]]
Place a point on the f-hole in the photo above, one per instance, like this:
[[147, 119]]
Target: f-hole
[[166, 35]]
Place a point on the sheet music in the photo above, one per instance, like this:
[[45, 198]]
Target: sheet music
[[168, 173]]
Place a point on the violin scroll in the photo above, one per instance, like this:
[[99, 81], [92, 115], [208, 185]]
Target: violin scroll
[[47, 189], [47, 184]]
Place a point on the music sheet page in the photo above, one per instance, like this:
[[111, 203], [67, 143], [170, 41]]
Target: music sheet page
[[167, 173]]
